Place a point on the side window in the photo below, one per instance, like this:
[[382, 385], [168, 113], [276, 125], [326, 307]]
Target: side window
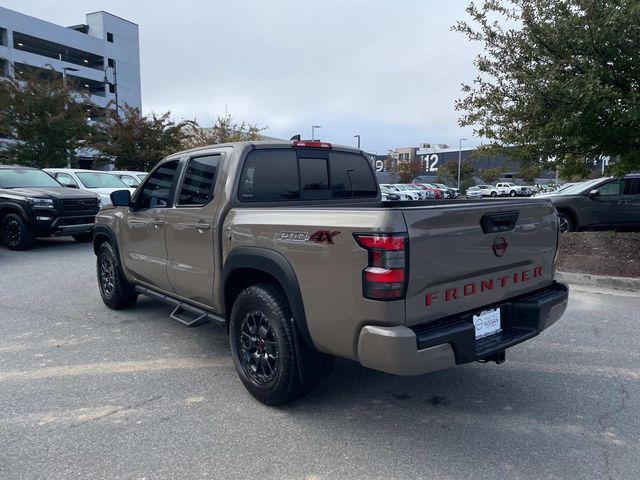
[[351, 176], [631, 186], [128, 181], [199, 180], [157, 187], [314, 178], [611, 188], [66, 180], [269, 176]]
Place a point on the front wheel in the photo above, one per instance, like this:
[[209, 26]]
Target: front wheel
[[115, 291], [512, 193], [262, 345], [494, 194], [15, 232], [566, 223]]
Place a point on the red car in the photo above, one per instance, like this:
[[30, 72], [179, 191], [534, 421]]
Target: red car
[[425, 186]]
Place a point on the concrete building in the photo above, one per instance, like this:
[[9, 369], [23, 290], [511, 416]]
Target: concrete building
[[102, 54]]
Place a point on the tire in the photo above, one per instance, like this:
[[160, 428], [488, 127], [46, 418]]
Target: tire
[[262, 345], [512, 193], [494, 194], [83, 237], [15, 233], [566, 223], [115, 291]]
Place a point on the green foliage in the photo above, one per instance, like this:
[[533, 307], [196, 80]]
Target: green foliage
[[224, 130], [448, 173], [409, 169], [556, 78], [137, 142], [573, 168], [491, 175], [45, 117], [529, 172]]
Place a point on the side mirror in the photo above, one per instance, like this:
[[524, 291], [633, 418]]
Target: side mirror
[[121, 198], [594, 193]]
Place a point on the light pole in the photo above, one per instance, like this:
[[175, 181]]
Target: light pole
[[115, 82], [313, 131], [460, 160], [358, 137]]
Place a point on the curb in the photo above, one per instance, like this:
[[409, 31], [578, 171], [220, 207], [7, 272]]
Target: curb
[[602, 281]]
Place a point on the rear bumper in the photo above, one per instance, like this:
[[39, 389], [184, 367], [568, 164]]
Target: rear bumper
[[451, 341]]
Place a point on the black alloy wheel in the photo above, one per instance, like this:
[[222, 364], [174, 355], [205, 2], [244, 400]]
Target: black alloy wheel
[[258, 347]]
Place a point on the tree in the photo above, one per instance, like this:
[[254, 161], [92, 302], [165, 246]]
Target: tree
[[529, 172], [409, 169], [224, 130], [491, 175], [448, 173], [556, 78], [45, 117], [137, 142], [573, 168]]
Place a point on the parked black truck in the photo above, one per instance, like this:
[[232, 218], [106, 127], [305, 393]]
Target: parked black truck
[[33, 204]]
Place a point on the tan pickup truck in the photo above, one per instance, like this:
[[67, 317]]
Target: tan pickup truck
[[290, 246]]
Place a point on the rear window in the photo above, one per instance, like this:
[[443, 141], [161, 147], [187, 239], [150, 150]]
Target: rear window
[[281, 175]]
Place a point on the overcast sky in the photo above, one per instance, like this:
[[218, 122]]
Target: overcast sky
[[389, 70]]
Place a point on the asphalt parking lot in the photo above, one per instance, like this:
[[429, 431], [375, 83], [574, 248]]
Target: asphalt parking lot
[[86, 392]]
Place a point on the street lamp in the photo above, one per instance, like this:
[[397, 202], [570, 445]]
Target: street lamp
[[115, 82], [460, 160], [313, 131], [358, 137]]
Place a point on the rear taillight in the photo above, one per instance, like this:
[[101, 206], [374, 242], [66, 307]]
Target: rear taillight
[[385, 277]]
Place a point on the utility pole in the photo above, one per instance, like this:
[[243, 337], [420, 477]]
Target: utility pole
[[313, 131], [358, 137], [460, 160]]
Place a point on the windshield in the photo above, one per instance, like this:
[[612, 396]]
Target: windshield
[[141, 176], [17, 178], [130, 181], [99, 180], [579, 188]]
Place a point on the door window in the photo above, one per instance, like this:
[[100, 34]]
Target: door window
[[156, 190], [611, 188], [199, 181], [631, 186], [66, 180]]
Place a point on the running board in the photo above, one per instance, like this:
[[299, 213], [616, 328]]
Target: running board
[[184, 313]]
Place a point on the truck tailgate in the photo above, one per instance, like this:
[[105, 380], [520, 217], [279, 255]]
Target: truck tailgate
[[466, 256]]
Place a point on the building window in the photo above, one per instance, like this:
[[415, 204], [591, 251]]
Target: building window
[[111, 62], [3, 36], [112, 88], [109, 37], [4, 67]]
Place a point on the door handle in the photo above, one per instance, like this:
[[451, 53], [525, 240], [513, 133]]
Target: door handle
[[201, 226]]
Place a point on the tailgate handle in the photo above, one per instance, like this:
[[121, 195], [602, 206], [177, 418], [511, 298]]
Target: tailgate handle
[[499, 222]]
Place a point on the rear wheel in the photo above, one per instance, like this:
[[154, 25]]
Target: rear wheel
[[494, 194], [566, 223], [15, 232], [115, 291], [512, 193], [262, 345]]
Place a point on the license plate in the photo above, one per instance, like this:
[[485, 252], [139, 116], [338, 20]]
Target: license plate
[[487, 323]]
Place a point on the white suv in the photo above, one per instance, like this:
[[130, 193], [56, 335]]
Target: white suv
[[513, 190], [102, 183]]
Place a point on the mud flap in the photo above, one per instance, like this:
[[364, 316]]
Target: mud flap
[[312, 366]]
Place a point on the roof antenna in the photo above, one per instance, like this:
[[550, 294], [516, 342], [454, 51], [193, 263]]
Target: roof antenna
[[295, 137]]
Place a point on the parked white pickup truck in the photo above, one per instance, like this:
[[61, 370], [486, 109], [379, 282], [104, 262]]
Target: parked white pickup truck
[[513, 190]]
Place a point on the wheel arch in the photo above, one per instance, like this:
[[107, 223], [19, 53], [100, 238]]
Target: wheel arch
[[102, 234], [246, 266], [10, 207]]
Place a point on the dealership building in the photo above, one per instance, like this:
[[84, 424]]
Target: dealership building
[[102, 55]]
